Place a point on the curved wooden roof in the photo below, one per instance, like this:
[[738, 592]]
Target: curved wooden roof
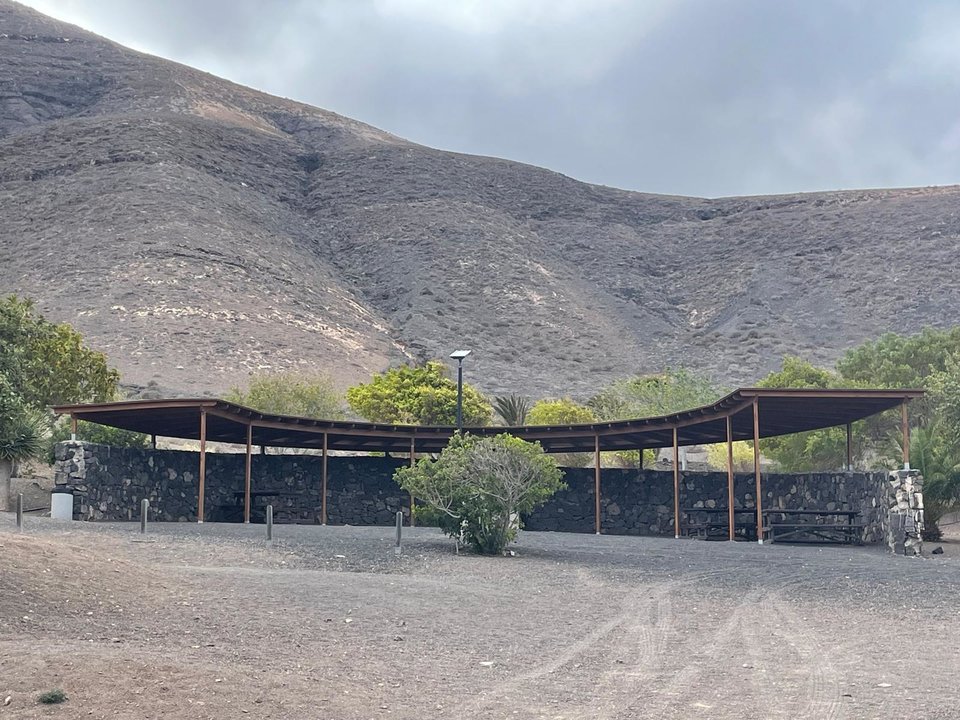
[[781, 412]]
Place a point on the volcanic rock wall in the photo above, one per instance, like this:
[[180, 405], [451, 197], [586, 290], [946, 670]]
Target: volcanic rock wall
[[110, 482]]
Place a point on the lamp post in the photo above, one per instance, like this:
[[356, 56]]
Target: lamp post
[[459, 355]]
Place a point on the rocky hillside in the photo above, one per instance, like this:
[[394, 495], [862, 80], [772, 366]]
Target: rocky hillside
[[197, 231]]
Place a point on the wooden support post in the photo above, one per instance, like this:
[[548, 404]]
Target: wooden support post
[[905, 426], [676, 484], [203, 464], [596, 482], [730, 513], [849, 446], [756, 468], [247, 474], [413, 500], [323, 484], [640, 465], [73, 427], [153, 441]]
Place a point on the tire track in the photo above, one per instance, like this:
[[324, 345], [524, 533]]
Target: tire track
[[779, 620], [628, 648]]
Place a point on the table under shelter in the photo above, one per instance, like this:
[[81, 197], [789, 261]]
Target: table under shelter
[[744, 414]]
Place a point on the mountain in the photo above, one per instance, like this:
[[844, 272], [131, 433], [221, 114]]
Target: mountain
[[197, 231]]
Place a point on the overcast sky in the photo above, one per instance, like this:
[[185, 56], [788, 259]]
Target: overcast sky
[[693, 97]]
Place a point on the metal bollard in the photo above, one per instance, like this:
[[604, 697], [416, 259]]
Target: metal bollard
[[269, 522], [397, 549], [144, 508], [20, 512]]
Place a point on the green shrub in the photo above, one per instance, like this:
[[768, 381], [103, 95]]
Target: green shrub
[[478, 488], [53, 697], [309, 396]]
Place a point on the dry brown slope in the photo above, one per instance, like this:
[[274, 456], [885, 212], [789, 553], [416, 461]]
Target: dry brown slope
[[197, 230]]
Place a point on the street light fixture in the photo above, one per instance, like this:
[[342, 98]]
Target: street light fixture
[[459, 355]]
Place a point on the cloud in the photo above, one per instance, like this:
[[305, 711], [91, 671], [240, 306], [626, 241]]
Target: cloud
[[690, 97]]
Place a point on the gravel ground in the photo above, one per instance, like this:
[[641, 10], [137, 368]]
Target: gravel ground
[[327, 622]]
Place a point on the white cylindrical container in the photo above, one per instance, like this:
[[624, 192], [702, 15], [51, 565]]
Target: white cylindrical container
[[61, 504]]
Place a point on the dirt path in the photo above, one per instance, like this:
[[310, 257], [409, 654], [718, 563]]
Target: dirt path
[[211, 622]]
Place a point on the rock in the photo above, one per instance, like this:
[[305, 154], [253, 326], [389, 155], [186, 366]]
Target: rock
[[938, 550]]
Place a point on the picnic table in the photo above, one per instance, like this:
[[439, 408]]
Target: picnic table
[[717, 522], [812, 526]]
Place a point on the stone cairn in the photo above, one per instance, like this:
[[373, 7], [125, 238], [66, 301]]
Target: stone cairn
[[904, 534]]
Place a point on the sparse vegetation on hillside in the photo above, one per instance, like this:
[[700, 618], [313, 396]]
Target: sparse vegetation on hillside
[[225, 229]]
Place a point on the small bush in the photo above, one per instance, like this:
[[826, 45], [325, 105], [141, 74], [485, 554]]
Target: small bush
[[478, 488], [53, 697]]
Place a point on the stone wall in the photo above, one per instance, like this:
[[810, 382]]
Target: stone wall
[[905, 514], [110, 483], [640, 502]]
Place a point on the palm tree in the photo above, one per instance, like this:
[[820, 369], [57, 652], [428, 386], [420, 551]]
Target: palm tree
[[513, 409], [938, 461], [21, 437]]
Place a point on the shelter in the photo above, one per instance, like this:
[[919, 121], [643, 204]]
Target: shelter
[[745, 414]]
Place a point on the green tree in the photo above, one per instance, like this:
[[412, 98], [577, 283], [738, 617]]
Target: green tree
[[651, 395], [943, 394], [47, 363], [563, 412], [742, 456], [513, 409], [559, 412], [479, 487], [421, 395], [814, 450], [309, 396], [899, 361], [928, 359]]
